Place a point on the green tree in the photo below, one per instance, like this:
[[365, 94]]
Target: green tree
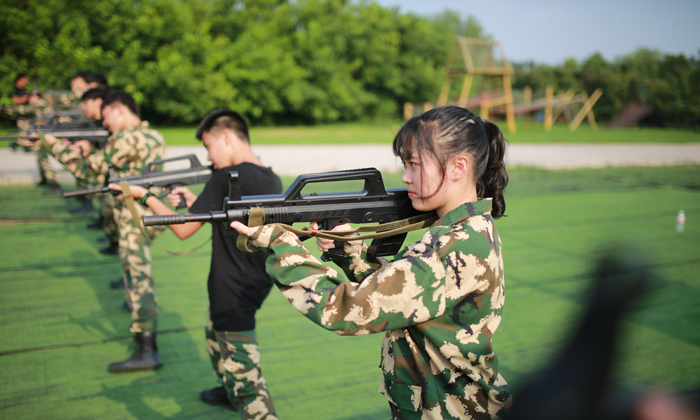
[[676, 94]]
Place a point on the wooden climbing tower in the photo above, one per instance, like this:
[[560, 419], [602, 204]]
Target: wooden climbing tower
[[481, 66]]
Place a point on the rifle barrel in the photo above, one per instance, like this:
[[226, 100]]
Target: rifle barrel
[[178, 219], [76, 133], [63, 134], [85, 192]]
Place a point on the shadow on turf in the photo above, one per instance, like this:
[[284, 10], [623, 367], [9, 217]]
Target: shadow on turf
[[170, 392]]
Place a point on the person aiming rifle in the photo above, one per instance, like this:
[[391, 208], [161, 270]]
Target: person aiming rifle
[[132, 146], [237, 282], [86, 137], [51, 106], [439, 302], [92, 101]]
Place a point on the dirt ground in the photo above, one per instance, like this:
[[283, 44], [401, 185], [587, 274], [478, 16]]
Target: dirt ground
[[19, 168]]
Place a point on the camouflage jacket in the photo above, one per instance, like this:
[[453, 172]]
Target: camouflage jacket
[[128, 151], [439, 303], [60, 101], [20, 111]]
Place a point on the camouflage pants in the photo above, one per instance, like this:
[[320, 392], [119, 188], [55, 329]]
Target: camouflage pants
[[42, 162], [239, 369], [109, 224], [105, 202], [42, 155], [135, 254]]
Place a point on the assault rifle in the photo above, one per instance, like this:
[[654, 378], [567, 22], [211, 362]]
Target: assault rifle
[[72, 112], [97, 136], [48, 120], [152, 177], [373, 204], [54, 125], [55, 92]]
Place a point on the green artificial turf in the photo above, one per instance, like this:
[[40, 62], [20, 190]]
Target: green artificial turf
[[61, 324]]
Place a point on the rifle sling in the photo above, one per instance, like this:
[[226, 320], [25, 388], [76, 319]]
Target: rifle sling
[[131, 205], [255, 218], [380, 231]]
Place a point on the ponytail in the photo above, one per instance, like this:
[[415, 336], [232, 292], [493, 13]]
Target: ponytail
[[495, 178]]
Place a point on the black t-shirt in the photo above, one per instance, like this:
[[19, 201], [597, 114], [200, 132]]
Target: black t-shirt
[[16, 91], [237, 281]]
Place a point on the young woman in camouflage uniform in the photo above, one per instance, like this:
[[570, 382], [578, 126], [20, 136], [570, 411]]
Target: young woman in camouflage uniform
[[440, 301]]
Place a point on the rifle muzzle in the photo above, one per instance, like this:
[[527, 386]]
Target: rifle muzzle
[[178, 219]]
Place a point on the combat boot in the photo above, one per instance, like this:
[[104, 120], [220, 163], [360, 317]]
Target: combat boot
[[117, 284], [97, 224], [217, 396], [84, 207], [112, 249], [144, 358], [53, 188]]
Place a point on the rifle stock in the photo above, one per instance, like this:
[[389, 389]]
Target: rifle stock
[[373, 204]]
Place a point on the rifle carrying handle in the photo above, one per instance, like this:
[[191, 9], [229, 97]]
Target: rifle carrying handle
[[194, 163], [374, 185]]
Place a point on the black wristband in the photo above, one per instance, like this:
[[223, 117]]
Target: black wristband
[[143, 199]]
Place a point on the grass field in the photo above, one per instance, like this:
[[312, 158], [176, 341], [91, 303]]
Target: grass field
[[384, 133], [61, 325]]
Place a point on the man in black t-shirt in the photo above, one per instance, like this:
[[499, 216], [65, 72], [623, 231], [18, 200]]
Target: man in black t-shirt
[[237, 281]]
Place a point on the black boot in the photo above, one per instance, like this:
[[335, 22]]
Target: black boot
[[217, 396], [112, 249], [53, 188], [116, 284], [97, 224], [145, 358], [84, 207]]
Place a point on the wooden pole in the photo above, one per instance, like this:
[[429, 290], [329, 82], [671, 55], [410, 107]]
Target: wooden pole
[[548, 109], [562, 104], [527, 100], [407, 111], [445, 92], [590, 116], [466, 87], [510, 113], [587, 107]]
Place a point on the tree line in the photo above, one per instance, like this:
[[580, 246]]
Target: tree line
[[294, 61], [670, 84]]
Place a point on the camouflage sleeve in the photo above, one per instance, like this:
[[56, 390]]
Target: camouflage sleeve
[[355, 263], [405, 292], [81, 167], [124, 152]]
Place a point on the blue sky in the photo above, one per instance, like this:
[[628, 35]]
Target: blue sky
[[549, 31]]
